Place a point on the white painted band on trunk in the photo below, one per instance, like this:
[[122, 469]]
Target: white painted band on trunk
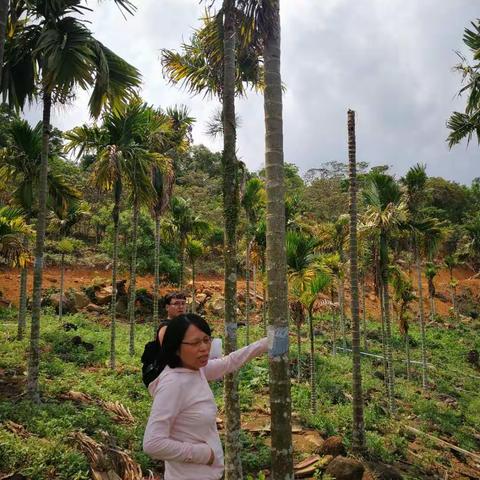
[[230, 329], [277, 340]]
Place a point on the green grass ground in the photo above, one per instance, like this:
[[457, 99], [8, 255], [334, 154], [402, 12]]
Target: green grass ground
[[50, 453]]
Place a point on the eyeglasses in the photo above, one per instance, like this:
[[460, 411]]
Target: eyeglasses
[[197, 343], [177, 304]]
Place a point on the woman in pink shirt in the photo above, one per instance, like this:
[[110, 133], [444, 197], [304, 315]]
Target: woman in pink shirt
[[182, 428]]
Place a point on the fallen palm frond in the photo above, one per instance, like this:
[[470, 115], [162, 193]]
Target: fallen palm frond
[[107, 462], [78, 397], [17, 429], [121, 413]]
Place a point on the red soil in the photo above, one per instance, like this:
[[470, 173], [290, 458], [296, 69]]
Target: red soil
[[76, 277]]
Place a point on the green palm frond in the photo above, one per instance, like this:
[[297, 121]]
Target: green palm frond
[[66, 55], [116, 81], [318, 284], [300, 250], [254, 199], [463, 125], [467, 124], [53, 51], [194, 249], [85, 139], [199, 66], [13, 230]]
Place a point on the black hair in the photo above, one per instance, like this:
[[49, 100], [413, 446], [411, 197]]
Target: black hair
[[153, 361], [175, 334], [169, 297]]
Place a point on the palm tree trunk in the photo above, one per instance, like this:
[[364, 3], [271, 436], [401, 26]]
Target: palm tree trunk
[[388, 326], [3, 30], [421, 313], [264, 307], [157, 272], [407, 353], [364, 316], [62, 278], [133, 279], [341, 301], [254, 274], [193, 286], [233, 464], [299, 351], [277, 291], [358, 427], [34, 353], [115, 215], [22, 304], [334, 331], [247, 294], [313, 393], [182, 262], [432, 308]]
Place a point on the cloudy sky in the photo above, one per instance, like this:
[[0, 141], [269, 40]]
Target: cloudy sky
[[389, 60]]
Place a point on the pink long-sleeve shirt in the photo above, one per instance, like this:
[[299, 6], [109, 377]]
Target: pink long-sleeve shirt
[[182, 426]]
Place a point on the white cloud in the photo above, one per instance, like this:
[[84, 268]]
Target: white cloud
[[389, 60]]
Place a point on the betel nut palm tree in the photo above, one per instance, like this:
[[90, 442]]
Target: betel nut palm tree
[[302, 265], [20, 163], [181, 223], [414, 182], [122, 158], [253, 201], [384, 213], [264, 19], [358, 428], [50, 55], [212, 65], [174, 141], [467, 124]]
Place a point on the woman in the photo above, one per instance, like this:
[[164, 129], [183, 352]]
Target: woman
[[182, 428]]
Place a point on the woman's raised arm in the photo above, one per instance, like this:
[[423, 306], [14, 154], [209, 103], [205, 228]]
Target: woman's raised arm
[[219, 367]]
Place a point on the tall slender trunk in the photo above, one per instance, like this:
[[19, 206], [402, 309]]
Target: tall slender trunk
[[388, 325], [254, 275], [299, 352], [133, 278], [407, 353], [334, 331], [264, 307], [233, 464], [358, 430], [34, 352], [115, 215], [193, 287], [247, 294], [364, 316], [432, 308], [182, 262], [156, 272], [3, 30], [421, 313], [313, 393], [22, 304], [62, 278], [341, 301], [277, 291]]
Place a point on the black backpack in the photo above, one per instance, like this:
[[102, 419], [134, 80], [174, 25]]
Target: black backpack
[[152, 363]]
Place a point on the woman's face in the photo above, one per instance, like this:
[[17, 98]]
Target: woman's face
[[195, 348]]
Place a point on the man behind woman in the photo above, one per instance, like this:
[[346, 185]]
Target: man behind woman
[[181, 429]]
